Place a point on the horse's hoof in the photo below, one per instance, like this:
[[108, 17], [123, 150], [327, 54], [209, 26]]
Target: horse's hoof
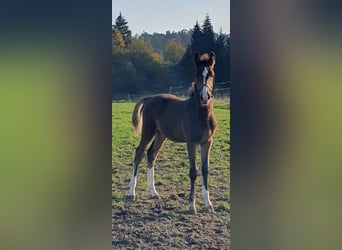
[[131, 197], [156, 197], [210, 209], [192, 211]]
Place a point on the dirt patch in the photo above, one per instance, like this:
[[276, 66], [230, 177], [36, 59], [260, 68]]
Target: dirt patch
[[167, 224]]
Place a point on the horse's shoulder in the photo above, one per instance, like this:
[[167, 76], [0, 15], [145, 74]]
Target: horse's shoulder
[[212, 122]]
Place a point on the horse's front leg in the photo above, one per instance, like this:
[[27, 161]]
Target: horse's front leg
[[193, 175], [205, 152]]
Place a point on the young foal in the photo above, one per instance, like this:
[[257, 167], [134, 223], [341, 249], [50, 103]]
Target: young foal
[[191, 121]]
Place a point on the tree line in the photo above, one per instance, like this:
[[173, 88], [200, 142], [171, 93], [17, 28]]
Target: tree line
[[151, 63]]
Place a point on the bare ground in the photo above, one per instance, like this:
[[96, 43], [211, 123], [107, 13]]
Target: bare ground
[[167, 224]]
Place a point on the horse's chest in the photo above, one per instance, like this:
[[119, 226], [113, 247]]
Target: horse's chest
[[202, 131]]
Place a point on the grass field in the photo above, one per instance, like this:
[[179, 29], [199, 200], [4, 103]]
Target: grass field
[[165, 223]]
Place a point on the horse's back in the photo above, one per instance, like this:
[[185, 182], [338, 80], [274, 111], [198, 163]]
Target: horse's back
[[166, 98], [161, 103]]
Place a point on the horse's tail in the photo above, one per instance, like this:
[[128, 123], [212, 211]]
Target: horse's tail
[[137, 114]]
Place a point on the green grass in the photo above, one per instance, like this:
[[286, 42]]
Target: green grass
[[172, 168]]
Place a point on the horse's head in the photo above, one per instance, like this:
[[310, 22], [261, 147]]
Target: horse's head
[[204, 76]]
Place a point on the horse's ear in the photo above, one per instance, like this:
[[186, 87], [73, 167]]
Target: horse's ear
[[197, 59], [212, 58]]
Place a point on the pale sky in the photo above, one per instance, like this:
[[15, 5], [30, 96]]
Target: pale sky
[[159, 16]]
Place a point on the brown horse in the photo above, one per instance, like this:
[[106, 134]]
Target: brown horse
[[191, 121]]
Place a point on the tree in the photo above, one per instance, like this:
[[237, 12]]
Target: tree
[[222, 72], [138, 68], [173, 51], [208, 34], [185, 65], [143, 49], [196, 39], [118, 44], [221, 40], [121, 25], [203, 41]]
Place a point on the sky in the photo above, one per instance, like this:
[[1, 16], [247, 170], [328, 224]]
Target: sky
[[173, 15]]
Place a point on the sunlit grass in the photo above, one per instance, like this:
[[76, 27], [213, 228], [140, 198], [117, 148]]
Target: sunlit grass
[[172, 168]]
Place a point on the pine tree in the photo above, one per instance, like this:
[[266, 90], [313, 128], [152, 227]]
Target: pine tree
[[208, 34], [121, 25], [197, 39], [203, 41], [221, 43]]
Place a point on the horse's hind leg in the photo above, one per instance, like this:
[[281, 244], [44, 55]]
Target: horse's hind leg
[[205, 151], [147, 135], [152, 154]]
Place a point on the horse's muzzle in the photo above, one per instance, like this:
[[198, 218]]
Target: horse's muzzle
[[205, 102]]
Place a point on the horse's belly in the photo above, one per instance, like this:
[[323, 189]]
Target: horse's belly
[[174, 136], [176, 139], [200, 136], [171, 131]]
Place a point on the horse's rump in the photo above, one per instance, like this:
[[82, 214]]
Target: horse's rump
[[162, 106], [137, 114]]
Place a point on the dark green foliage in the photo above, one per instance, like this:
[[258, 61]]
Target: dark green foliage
[[173, 51], [222, 50], [197, 44], [151, 63], [121, 25], [208, 34], [158, 40], [137, 70], [202, 41]]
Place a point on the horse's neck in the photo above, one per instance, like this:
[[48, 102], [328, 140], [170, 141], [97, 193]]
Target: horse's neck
[[201, 111], [206, 111]]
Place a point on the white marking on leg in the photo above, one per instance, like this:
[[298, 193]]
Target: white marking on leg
[[204, 90], [132, 185], [192, 206], [205, 195], [150, 181]]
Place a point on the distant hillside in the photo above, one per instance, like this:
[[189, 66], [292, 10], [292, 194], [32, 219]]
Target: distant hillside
[[158, 40]]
